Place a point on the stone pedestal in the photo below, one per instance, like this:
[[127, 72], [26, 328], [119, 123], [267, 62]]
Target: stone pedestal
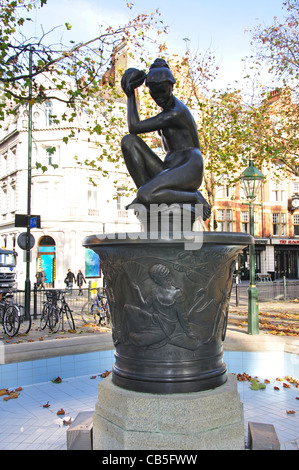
[[129, 420]]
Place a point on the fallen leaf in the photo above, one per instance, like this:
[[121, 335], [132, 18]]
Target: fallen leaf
[[4, 391], [19, 389], [286, 385], [266, 381], [12, 395], [67, 422], [106, 373], [60, 412], [276, 388], [257, 386], [58, 380], [93, 377], [291, 412], [46, 405]]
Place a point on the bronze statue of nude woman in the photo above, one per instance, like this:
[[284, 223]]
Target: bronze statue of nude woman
[[178, 177]]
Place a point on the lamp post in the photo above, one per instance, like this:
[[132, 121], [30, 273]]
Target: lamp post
[[251, 180], [27, 280]]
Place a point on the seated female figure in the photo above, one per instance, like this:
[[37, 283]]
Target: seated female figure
[[178, 177]]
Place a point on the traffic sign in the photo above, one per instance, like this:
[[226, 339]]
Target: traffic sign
[[22, 240], [21, 220]]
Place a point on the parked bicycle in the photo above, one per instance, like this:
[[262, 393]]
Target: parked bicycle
[[12, 317], [52, 297], [54, 310], [97, 311]]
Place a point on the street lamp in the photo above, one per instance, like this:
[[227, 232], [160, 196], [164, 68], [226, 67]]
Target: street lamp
[[251, 180]]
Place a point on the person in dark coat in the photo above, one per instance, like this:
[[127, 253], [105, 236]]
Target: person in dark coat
[[80, 280], [70, 278]]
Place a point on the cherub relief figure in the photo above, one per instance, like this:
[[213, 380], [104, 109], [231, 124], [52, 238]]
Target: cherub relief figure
[[178, 177]]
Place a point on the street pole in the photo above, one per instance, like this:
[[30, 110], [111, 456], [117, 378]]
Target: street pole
[[27, 281], [253, 313]]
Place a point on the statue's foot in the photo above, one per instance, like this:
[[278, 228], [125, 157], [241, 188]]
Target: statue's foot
[[206, 212], [206, 206]]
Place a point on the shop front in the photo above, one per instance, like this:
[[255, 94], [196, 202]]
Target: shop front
[[286, 258]]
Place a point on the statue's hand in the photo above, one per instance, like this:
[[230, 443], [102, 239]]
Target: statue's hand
[[132, 78]]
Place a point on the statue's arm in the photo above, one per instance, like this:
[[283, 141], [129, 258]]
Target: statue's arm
[[156, 123]]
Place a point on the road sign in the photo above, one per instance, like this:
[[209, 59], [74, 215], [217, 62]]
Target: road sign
[[22, 240], [33, 221], [21, 220]]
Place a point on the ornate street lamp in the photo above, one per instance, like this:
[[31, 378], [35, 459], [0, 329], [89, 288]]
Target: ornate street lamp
[[251, 180]]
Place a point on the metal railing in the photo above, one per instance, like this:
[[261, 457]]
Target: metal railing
[[75, 298], [279, 290], [282, 290]]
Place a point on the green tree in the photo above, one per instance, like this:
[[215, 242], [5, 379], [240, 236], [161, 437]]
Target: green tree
[[83, 64], [277, 118]]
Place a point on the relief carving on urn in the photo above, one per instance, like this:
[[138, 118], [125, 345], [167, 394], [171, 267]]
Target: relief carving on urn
[[154, 310]]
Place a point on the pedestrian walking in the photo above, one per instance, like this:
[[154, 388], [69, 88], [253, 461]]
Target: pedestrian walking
[[69, 280], [40, 278], [80, 280]]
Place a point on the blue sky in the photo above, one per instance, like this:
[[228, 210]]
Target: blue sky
[[216, 24]]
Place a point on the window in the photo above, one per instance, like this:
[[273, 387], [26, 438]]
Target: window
[[52, 155], [245, 221], [279, 224], [4, 164], [13, 158], [49, 113], [295, 187], [224, 220], [92, 201], [12, 196], [223, 190], [4, 197], [296, 224], [121, 203], [278, 192]]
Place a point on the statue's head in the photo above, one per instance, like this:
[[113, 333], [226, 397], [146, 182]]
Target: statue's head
[[160, 82], [160, 274], [159, 72]]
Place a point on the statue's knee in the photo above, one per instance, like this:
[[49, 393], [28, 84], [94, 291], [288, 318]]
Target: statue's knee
[[128, 141], [144, 196]]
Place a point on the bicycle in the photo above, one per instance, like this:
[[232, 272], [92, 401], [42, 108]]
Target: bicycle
[[25, 321], [52, 297], [56, 313], [99, 308], [9, 315]]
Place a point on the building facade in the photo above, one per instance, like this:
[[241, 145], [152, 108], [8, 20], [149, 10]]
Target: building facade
[[72, 200], [276, 225]]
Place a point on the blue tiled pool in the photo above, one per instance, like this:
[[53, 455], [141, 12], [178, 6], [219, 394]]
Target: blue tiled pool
[[27, 424], [43, 370], [263, 364]]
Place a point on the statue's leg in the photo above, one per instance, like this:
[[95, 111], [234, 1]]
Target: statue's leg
[[142, 163], [172, 185], [176, 185]]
